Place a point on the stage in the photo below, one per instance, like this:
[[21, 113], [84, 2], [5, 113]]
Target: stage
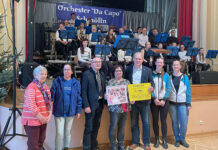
[[202, 119]]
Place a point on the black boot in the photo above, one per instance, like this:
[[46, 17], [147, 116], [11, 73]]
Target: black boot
[[113, 147], [164, 144], [156, 142], [184, 143], [66, 148]]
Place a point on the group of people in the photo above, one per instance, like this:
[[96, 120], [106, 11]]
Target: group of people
[[84, 47], [66, 98]]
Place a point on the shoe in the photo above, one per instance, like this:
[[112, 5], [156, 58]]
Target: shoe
[[177, 144], [132, 147], [121, 147], [146, 147], [164, 144], [184, 143], [156, 142], [95, 148], [66, 148], [113, 147]]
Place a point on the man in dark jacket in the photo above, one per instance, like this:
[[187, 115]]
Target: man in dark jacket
[[137, 74], [172, 38], [93, 88], [65, 93]]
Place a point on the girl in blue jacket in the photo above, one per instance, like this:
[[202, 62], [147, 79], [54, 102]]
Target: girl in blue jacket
[[160, 101], [180, 104]]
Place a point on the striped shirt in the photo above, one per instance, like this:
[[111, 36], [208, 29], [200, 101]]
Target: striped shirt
[[33, 104]]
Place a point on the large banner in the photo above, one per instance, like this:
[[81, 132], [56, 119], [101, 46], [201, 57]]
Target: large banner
[[99, 15]]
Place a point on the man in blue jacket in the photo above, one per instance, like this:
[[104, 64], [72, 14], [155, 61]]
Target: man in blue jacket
[[93, 89], [66, 94]]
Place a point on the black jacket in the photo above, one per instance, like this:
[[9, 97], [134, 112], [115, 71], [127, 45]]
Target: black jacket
[[90, 91], [146, 76]]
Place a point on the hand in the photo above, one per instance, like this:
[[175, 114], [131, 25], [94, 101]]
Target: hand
[[88, 110], [189, 108], [49, 117], [162, 102], [157, 102], [88, 62], [145, 60], [105, 107], [132, 102], [42, 119], [77, 116], [150, 89]]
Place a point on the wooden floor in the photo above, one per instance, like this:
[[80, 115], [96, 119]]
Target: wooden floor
[[197, 142]]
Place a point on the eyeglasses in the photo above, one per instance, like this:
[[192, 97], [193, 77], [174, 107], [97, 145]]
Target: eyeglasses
[[118, 70], [96, 62]]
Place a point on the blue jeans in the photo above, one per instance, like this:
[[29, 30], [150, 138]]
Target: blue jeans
[[117, 120], [143, 109], [179, 116]]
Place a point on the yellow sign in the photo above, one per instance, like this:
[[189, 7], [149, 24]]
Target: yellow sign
[[139, 92]]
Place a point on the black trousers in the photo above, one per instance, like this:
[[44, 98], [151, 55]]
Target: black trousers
[[92, 124], [163, 116]]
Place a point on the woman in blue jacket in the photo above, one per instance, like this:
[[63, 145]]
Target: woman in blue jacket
[[180, 104], [65, 93], [160, 101]]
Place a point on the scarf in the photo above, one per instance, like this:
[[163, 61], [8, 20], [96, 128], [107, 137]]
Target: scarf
[[44, 92]]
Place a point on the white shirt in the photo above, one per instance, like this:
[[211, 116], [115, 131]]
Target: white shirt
[[182, 55], [86, 56], [136, 75], [198, 61], [57, 37], [121, 56], [136, 35], [81, 32], [72, 22], [143, 39]]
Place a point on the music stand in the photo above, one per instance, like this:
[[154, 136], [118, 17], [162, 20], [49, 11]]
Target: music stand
[[88, 29], [63, 34], [188, 43], [211, 54], [71, 34], [78, 22], [152, 53], [161, 37], [185, 38], [192, 51], [101, 49], [173, 49], [70, 28], [95, 37]]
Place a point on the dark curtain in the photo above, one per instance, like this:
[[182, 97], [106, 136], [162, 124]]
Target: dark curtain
[[167, 9], [133, 20], [185, 18]]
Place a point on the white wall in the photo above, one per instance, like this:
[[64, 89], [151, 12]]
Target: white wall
[[21, 27]]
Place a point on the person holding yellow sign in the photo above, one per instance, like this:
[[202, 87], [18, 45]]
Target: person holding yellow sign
[[160, 102], [136, 74]]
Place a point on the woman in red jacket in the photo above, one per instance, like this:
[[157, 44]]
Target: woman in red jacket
[[37, 109]]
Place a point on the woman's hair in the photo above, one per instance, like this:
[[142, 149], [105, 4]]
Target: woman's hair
[[162, 71], [38, 70], [82, 48], [201, 56], [115, 67], [68, 65], [176, 60]]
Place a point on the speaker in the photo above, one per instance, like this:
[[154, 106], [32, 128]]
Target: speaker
[[26, 73], [205, 77]]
